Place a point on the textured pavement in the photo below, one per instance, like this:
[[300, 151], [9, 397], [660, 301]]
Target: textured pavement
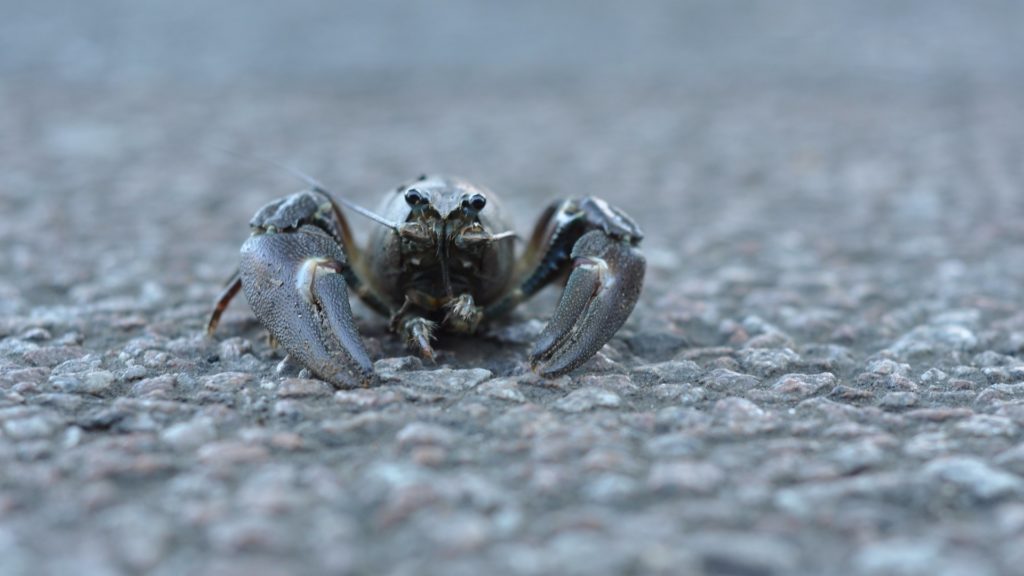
[[823, 375]]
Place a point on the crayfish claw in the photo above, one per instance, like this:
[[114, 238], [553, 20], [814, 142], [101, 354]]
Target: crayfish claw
[[295, 284], [605, 283]]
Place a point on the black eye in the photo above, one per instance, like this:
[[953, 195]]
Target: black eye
[[414, 197], [476, 202]]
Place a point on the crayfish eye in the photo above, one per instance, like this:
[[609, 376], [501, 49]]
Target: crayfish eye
[[414, 197], [474, 203]]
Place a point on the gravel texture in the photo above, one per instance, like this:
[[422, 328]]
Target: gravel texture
[[824, 374]]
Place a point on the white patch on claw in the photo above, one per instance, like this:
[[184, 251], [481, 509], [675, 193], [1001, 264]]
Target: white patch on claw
[[307, 275], [603, 270]]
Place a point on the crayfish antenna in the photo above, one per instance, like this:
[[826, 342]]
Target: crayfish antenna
[[316, 185]]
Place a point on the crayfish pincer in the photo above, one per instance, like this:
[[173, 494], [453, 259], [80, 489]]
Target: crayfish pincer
[[442, 257]]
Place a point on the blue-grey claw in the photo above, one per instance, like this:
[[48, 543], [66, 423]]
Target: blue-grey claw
[[602, 290], [295, 284]]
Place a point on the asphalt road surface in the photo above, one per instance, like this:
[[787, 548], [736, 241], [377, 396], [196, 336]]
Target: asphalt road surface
[[823, 376]]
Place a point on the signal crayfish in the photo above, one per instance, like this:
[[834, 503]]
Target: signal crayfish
[[442, 257]]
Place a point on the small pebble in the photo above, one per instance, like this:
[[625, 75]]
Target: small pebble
[[588, 399]]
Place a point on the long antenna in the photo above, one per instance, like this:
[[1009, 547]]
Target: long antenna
[[316, 185]]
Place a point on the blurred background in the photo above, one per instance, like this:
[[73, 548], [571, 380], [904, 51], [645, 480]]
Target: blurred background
[[338, 45], [694, 116], [758, 143]]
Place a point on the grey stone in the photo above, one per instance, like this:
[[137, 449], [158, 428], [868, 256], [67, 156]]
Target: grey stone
[[974, 477], [139, 538], [985, 425], [190, 434], [918, 557], [619, 383], [851, 393], [458, 532], [674, 445], [677, 417], [249, 533], [226, 381], [133, 372], [156, 358], [341, 430], [234, 348], [35, 375], [803, 385], [290, 409], [417, 433], [36, 334], [41, 425], [888, 367], [999, 394], [1013, 410], [81, 376], [51, 356], [735, 552], [680, 393], [770, 340], [656, 344], [368, 398], [502, 389], [828, 357], [156, 387], [934, 376], [808, 499], [232, 452], [611, 488], [64, 402], [939, 414], [444, 380], [673, 371], [302, 388], [757, 325], [271, 490], [898, 400], [766, 362], [930, 339], [928, 445], [741, 416], [685, 476], [722, 380], [860, 455], [387, 367], [588, 399]]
